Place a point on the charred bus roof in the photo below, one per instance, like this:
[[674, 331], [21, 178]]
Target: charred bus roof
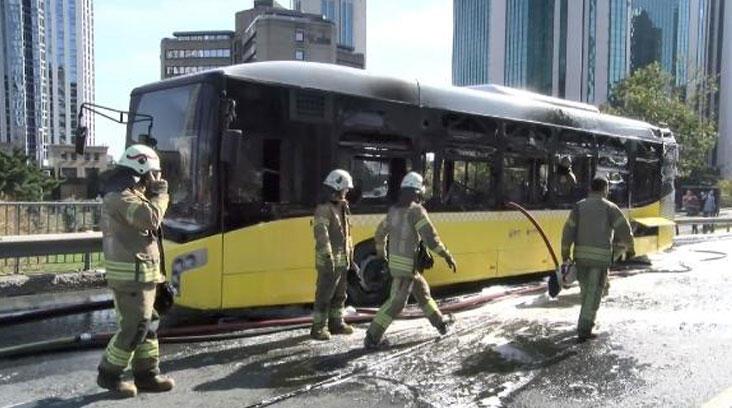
[[483, 101]]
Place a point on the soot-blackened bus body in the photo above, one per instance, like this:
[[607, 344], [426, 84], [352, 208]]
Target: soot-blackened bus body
[[238, 230]]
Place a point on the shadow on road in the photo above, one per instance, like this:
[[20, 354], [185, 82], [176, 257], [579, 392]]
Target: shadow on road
[[199, 360], [292, 371], [543, 302], [76, 402]]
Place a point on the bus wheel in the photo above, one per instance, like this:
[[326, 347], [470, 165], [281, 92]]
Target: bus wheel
[[370, 286]]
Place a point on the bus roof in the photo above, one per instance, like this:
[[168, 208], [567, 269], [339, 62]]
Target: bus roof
[[498, 102]]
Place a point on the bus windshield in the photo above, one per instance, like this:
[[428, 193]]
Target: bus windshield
[[183, 129]]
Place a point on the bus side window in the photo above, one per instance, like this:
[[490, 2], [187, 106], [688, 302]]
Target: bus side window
[[525, 181], [577, 150], [271, 170], [468, 178], [378, 178], [613, 163], [646, 174]]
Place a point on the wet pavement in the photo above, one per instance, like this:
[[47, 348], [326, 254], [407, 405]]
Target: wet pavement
[[663, 338]]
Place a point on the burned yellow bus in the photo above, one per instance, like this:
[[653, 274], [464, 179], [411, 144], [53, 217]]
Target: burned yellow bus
[[245, 149]]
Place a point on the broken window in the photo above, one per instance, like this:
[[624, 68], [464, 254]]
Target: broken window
[[646, 174], [525, 180], [377, 179], [613, 164], [467, 178], [573, 167]]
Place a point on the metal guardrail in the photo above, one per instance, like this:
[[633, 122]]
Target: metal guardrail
[[44, 245], [57, 217], [47, 217], [696, 221]]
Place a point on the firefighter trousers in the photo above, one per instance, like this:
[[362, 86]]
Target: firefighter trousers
[[401, 288], [592, 282], [136, 340], [330, 295]]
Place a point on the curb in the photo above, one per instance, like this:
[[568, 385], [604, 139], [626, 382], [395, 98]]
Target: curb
[[19, 285]]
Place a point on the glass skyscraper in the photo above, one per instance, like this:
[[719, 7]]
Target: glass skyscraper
[[660, 33], [47, 71], [349, 17], [471, 50]]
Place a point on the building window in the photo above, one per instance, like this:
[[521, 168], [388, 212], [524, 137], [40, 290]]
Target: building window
[[68, 172], [300, 55], [73, 156], [96, 156], [299, 35], [63, 156]]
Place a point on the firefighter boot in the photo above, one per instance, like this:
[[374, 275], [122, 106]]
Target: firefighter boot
[[114, 383], [584, 331], [320, 332], [339, 326], [370, 343], [154, 383], [441, 323]]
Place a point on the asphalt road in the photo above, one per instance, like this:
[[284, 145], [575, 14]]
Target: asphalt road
[[663, 339]]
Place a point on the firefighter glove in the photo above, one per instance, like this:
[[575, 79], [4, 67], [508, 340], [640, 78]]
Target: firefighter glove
[[157, 187], [450, 261]]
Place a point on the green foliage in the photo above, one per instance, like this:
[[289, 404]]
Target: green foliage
[[725, 189], [21, 180], [649, 95]]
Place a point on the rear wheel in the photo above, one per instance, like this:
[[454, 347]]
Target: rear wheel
[[370, 286]]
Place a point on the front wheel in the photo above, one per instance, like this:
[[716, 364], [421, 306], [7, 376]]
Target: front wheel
[[370, 286]]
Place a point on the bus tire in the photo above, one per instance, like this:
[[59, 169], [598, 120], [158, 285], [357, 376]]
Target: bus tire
[[370, 286]]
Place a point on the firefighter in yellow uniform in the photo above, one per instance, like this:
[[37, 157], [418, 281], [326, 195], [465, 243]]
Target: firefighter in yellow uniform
[[596, 233], [135, 201], [406, 225], [333, 256]]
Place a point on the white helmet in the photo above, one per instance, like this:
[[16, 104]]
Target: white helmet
[[140, 158], [339, 180], [413, 180]]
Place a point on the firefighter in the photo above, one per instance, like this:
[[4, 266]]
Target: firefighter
[[135, 200], [333, 256], [596, 233], [567, 181], [406, 225]]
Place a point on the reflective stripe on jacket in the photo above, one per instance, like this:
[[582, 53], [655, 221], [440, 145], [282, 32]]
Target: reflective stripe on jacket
[[405, 227], [332, 231], [593, 227], [129, 222]]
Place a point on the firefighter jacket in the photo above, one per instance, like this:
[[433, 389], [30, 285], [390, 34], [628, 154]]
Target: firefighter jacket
[[332, 230], [405, 227], [129, 224], [594, 227]]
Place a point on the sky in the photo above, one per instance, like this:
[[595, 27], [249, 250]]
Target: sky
[[405, 38]]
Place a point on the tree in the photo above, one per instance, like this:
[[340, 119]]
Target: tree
[[21, 180], [649, 95]]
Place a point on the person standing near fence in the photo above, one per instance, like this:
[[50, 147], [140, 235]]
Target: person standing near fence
[[135, 201]]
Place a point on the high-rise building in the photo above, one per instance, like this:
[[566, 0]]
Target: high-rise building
[[579, 49], [571, 49], [194, 51], [47, 70], [269, 32], [349, 17]]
